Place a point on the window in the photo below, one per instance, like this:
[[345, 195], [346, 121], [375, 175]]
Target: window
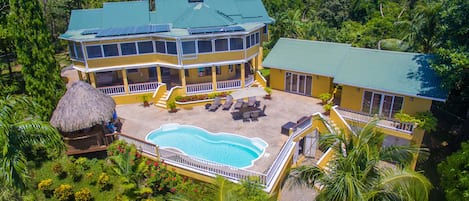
[[382, 104], [265, 29], [160, 47], [208, 71], [221, 45], [236, 43], [94, 51], [128, 48], [230, 68], [188, 47], [79, 51], [257, 38], [204, 46], [218, 69], [248, 41], [71, 48], [145, 47], [186, 72], [171, 47], [110, 50], [253, 40], [201, 72]]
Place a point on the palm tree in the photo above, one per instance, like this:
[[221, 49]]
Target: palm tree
[[20, 129], [356, 171]]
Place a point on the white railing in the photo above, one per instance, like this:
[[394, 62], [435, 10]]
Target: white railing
[[249, 80], [199, 88], [143, 87], [228, 84], [112, 90], [392, 124], [210, 168]]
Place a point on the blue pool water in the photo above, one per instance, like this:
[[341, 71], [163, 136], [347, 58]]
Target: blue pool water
[[224, 148]]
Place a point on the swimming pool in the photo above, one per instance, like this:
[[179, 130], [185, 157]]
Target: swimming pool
[[223, 148]]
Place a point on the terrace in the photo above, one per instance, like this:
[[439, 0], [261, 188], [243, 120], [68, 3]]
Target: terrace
[[282, 108]]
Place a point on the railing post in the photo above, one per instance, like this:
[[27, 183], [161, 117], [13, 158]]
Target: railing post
[[157, 152]]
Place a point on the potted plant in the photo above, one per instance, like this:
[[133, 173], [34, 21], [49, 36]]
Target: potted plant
[[327, 108], [172, 106], [268, 90], [145, 100], [325, 97]]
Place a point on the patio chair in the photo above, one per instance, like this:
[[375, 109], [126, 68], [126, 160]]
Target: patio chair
[[255, 115], [228, 103], [252, 101], [216, 103], [262, 112], [246, 116], [239, 103]]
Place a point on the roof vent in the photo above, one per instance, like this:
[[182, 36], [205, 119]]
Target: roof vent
[[195, 1]]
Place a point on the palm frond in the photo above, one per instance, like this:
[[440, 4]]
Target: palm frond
[[304, 176]]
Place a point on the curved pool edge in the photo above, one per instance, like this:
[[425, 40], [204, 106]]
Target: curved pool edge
[[254, 139]]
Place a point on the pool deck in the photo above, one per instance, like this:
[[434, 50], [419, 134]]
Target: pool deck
[[282, 108]]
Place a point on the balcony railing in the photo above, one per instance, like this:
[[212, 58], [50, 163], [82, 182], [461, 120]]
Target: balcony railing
[[113, 90], [143, 87], [228, 84], [199, 88], [133, 88], [387, 123]]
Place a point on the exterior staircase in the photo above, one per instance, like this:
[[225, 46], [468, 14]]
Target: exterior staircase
[[161, 103]]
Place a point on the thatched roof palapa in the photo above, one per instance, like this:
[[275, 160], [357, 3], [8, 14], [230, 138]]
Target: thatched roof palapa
[[82, 107]]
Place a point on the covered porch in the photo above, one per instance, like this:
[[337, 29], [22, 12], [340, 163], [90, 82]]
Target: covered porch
[[194, 80]]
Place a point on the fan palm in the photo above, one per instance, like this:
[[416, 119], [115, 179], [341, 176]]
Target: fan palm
[[356, 171], [20, 129]]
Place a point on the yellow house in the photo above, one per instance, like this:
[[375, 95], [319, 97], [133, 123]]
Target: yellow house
[[196, 46], [365, 82]]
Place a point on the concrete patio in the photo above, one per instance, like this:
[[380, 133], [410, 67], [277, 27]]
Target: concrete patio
[[282, 108]]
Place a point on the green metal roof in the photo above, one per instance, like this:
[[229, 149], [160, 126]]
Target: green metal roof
[[394, 72], [179, 13], [322, 58]]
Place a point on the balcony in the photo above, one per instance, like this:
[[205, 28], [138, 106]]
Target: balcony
[[387, 123]]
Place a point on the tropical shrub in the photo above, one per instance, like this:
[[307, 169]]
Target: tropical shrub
[[454, 174], [58, 170], [428, 122], [83, 162], [103, 182], [75, 171], [327, 108], [83, 195], [324, 97], [64, 192], [45, 187]]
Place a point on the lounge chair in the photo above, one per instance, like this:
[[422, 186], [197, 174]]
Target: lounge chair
[[216, 103], [246, 116], [252, 101], [239, 103], [228, 103], [255, 115]]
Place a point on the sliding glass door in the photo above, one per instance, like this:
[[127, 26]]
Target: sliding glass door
[[381, 104], [298, 83]]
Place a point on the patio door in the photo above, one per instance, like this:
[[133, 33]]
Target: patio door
[[382, 104], [298, 83]]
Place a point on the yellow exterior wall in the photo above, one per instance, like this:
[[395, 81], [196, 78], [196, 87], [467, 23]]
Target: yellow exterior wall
[[215, 57], [321, 84], [252, 50], [132, 60], [78, 64], [142, 75], [277, 79], [351, 98], [131, 98], [194, 75], [414, 105]]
